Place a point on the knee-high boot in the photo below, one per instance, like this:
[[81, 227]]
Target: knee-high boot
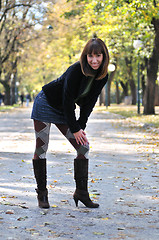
[[81, 178], [39, 166]]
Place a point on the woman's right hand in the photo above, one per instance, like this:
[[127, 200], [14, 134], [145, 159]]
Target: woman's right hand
[[80, 137]]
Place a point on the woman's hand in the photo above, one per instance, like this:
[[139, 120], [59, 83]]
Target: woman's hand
[[80, 137]]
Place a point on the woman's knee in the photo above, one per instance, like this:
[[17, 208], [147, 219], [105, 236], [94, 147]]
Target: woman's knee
[[83, 150]]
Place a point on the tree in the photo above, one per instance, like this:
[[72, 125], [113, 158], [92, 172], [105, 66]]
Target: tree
[[131, 19], [152, 69], [17, 19], [128, 62], [145, 18]]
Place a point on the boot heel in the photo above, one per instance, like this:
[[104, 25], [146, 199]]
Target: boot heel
[[83, 196], [43, 198], [76, 201]]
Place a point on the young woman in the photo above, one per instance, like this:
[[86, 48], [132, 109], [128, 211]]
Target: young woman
[[81, 84]]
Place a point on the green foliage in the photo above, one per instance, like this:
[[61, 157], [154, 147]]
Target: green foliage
[[72, 13], [45, 53]]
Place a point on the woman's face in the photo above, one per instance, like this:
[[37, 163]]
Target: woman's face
[[95, 60]]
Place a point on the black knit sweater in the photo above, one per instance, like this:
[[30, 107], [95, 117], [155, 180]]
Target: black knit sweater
[[63, 92]]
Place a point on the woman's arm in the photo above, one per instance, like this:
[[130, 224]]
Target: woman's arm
[[72, 83]]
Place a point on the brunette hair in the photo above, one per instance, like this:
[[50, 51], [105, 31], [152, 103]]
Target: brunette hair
[[96, 46]]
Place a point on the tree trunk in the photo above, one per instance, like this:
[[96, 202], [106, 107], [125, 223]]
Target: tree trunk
[[157, 95], [102, 97], [111, 77], [131, 80], [7, 83], [152, 69], [143, 81], [117, 93], [125, 89], [7, 96]]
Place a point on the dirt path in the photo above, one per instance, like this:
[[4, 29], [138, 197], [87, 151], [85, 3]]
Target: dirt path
[[123, 178]]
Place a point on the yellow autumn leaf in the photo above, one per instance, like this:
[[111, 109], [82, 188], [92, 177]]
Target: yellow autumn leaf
[[98, 233], [105, 218]]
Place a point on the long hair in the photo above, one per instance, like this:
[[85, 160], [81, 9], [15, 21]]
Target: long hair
[[95, 46]]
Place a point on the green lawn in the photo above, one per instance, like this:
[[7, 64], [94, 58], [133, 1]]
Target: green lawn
[[6, 108], [131, 112]]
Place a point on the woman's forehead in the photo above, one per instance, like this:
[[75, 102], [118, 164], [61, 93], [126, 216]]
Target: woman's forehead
[[94, 49]]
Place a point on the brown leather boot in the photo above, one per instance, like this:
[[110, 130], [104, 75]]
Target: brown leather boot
[[81, 178], [39, 166]]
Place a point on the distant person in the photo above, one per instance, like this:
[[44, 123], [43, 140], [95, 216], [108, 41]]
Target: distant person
[[28, 99], [22, 99], [1, 98], [81, 84]]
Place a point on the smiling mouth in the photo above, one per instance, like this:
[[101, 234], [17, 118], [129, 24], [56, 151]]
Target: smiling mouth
[[94, 66]]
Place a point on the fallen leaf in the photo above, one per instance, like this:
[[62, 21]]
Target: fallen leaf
[[10, 212], [98, 233], [44, 212], [22, 218], [13, 227], [65, 201], [85, 210], [54, 206], [105, 218], [51, 231], [46, 223], [121, 229], [30, 229]]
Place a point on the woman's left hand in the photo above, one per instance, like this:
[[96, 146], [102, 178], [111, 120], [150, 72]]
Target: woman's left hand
[[80, 137]]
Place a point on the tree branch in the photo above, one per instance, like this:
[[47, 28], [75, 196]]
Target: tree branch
[[13, 6], [154, 3]]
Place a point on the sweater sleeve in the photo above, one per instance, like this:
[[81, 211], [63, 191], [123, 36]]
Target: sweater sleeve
[[71, 87]]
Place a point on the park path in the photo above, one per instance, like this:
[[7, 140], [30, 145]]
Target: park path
[[123, 179]]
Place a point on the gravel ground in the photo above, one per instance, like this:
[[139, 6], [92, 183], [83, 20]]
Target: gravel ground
[[123, 179]]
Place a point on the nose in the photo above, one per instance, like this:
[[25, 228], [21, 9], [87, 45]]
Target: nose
[[94, 60]]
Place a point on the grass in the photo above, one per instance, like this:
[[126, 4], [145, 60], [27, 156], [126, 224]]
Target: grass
[[5, 108], [130, 112]]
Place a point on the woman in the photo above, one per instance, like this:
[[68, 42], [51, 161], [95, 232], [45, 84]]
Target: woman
[[81, 84]]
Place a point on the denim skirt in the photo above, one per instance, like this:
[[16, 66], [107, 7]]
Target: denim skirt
[[43, 112]]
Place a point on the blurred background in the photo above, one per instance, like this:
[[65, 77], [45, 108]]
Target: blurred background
[[40, 39]]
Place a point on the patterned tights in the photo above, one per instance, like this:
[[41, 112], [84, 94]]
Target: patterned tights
[[42, 131]]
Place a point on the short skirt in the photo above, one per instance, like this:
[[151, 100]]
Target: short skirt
[[43, 112]]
